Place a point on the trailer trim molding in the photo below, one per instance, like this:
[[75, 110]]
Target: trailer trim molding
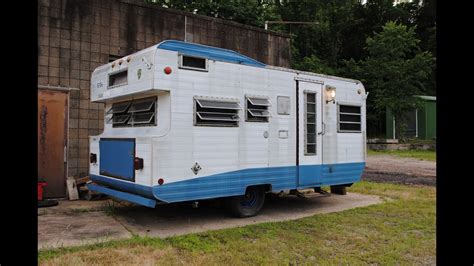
[[236, 182], [123, 195]]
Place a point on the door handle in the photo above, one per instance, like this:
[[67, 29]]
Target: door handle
[[324, 129]]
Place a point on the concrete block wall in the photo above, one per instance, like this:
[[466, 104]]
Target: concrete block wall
[[76, 36]]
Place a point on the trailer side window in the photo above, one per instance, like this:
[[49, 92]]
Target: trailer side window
[[139, 112], [193, 63], [310, 123], [213, 112], [257, 109], [349, 118]]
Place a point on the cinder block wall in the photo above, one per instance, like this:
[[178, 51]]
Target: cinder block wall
[[76, 36]]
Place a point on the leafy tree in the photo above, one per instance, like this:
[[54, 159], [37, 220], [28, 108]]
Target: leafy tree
[[314, 64], [394, 71], [250, 12]]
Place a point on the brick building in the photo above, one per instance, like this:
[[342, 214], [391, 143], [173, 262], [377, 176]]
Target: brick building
[[76, 36]]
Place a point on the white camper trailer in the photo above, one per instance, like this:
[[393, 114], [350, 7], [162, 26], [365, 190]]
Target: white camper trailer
[[188, 122]]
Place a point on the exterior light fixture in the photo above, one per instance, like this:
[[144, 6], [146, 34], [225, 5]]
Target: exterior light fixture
[[330, 94]]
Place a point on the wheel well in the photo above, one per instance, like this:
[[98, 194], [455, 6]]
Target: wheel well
[[266, 187]]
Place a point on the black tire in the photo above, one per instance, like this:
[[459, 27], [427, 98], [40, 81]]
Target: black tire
[[247, 205]]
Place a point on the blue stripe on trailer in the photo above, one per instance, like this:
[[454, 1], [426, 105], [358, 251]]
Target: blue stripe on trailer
[[145, 191], [123, 195], [213, 53], [234, 183]]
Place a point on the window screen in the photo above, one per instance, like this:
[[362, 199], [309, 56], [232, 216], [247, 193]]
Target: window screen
[[310, 123], [224, 113], [257, 109], [118, 79], [195, 63], [349, 118], [139, 112]]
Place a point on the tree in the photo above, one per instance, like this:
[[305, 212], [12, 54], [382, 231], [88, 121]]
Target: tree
[[250, 12], [394, 71]]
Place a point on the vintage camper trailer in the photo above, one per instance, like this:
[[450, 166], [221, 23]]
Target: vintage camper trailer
[[188, 122]]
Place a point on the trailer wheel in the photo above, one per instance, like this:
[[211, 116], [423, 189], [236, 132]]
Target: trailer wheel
[[247, 205]]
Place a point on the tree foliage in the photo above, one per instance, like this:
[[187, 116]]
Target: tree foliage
[[394, 71]]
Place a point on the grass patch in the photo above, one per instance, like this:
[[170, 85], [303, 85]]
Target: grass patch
[[418, 154], [399, 231]]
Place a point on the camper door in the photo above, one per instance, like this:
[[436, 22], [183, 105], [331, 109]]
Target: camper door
[[310, 133]]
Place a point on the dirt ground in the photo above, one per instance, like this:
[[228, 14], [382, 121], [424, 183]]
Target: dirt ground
[[393, 169]]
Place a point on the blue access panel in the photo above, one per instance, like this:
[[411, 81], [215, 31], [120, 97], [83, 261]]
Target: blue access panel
[[117, 158]]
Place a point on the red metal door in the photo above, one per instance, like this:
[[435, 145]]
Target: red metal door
[[52, 141]]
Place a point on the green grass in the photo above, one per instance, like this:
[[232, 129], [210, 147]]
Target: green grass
[[418, 154], [399, 231]]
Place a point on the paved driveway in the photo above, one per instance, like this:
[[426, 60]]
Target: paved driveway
[[82, 222]]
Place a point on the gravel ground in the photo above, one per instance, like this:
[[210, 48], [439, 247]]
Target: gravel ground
[[393, 169]]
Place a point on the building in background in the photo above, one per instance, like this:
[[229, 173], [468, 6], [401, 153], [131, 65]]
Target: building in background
[[421, 122], [76, 36]]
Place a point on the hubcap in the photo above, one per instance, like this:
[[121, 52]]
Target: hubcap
[[249, 199]]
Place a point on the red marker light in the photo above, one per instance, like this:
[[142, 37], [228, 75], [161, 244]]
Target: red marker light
[[167, 70], [138, 163], [161, 181]]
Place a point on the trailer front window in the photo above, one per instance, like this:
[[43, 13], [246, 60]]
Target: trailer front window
[[118, 79], [349, 118], [135, 113]]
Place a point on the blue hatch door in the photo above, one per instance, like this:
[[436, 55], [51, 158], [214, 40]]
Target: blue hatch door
[[117, 158]]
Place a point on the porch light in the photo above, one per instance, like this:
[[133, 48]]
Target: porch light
[[330, 94]]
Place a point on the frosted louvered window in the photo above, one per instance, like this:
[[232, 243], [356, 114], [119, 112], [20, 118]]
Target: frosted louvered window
[[139, 112], [216, 112], [257, 109]]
